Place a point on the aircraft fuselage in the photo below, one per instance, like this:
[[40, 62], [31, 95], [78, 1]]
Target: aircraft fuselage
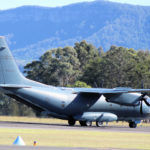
[[67, 104]]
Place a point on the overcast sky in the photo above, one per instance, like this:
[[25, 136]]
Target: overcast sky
[[7, 4]]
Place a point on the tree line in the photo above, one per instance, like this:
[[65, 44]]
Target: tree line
[[84, 65]]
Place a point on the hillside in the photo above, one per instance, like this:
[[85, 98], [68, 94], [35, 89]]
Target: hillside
[[32, 30]]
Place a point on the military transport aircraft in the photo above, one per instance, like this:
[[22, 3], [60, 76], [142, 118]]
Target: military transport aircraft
[[85, 105]]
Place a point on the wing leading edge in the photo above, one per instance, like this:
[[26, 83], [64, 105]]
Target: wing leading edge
[[14, 86], [108, 91]]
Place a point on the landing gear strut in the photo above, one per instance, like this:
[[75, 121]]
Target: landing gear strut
[[132, 124], [71, 122]]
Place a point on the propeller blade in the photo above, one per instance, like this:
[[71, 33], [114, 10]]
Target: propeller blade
[[142, 84], [143, 98], [147, 101], [144, 94], [141, 108]]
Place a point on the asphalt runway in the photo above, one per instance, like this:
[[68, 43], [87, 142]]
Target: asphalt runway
[[41, 148], [51, 148], [105, 128]]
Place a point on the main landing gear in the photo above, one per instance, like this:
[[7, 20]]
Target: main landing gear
[[85, 123], [99, 124], [71, 122], [132, 124]]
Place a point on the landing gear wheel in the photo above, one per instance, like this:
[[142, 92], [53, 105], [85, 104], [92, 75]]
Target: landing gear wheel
[[132, 124], [88, 123], [71, 122], [82, 123], [99, 124], [85, 123]]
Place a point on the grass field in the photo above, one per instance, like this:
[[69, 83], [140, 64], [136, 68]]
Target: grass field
[[76, 138], [72, 138]]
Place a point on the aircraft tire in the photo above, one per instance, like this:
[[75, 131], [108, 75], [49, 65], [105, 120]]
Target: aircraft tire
[[82, 123], [132, 124], [88, 123], [99, 124], [71, 122], [85, 123]]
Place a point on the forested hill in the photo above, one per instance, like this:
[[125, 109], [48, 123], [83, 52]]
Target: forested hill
[[32, 30]]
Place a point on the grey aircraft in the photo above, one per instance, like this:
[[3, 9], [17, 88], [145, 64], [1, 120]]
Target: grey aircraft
[[85, 105]]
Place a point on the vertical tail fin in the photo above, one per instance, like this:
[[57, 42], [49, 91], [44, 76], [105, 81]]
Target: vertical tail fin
[[9, 72]]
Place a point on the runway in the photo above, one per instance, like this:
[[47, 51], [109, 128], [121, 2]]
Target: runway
[[42, 148], [52, 148], [105, 128]]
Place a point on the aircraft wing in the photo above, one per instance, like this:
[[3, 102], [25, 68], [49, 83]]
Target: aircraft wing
[[13, 86], [108, 91], [116, 95]]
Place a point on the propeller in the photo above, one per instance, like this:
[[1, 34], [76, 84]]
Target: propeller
[[95, 84], [142, 98], [142, 84], [141, 108], [146, 99], [100, 85]]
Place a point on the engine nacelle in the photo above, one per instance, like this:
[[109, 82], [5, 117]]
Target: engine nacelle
[[128, 99], [96, 116]]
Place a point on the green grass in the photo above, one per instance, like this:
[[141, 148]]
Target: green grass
[[76, 138], [72, 138], [32, 119]]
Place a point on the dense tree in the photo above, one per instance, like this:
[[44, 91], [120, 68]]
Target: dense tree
[[62, 66], [119, 67], [141, 72], [79, 84], [86, 53], [9, 106], [56, 67]]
